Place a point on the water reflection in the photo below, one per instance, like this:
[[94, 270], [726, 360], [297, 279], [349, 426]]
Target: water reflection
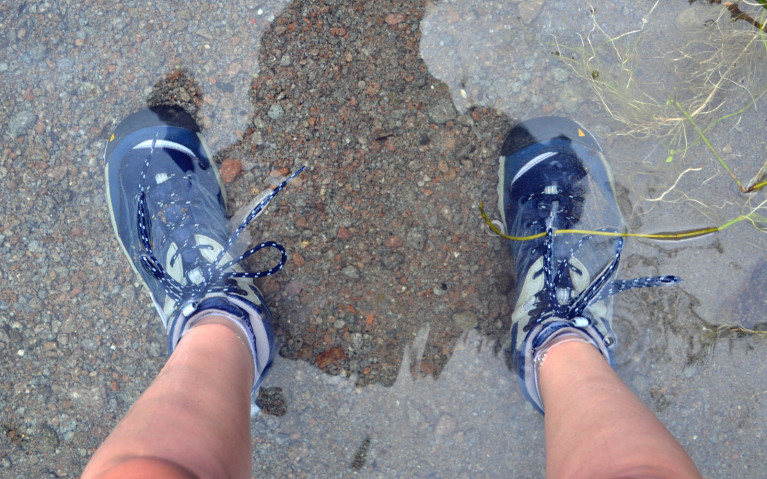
[[471, 422], [498, 54]]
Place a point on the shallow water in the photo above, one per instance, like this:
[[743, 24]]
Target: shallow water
[[393, 316]]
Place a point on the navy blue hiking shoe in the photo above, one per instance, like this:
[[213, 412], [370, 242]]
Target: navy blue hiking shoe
[[552, 177], [168, 209]]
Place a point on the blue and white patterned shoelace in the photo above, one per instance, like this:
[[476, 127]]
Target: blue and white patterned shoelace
[[214, 276], [599, 288]]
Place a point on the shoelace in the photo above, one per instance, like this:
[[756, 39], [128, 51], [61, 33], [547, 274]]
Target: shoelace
[[214, 277], [599, 288]]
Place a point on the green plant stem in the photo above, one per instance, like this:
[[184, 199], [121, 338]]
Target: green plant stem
[[675, 235]]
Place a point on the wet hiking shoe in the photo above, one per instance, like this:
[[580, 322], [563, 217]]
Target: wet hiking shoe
[[168, 209], [553, 176]]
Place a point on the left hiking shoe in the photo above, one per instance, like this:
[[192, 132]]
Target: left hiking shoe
[[168, 208], [553, 177]]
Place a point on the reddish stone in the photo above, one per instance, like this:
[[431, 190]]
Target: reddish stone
[[394, 241], [280, 172], [425, 368], [230, 169], [344, 233], [394, 18], [332, 355], [298, 259]]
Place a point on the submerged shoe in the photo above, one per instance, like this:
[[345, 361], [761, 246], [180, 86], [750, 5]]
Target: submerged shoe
[[553, 176], [168, 208]]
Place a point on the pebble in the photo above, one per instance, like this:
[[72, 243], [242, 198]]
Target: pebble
[[390, 260], [446, 425], [394, 241], [20, 123], [350, 271], [442, 112], [230, 169], [529, 10], [416, 238], [394, 18], [465, 320], [275, 112], [343, 233]]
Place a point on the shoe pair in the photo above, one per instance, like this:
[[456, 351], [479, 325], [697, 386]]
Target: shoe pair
[[168, 209]]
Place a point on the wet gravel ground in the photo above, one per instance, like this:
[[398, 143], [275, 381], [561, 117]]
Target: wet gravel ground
[[392, 313]]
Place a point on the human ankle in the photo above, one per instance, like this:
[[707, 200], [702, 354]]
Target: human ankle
[[221, 318], [215, 318]]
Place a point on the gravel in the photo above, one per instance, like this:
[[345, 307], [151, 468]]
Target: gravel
[[393, 311]]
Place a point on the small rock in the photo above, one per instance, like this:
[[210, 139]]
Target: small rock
[[465, 320], [297, 451], [332, 355], [560, 74], [21, 122], [275, 112], [38, 52], [394, 18], [692, 20], [445, 425], [294, 287], [356, 339], [350, 272], [390, 260], [298, 259], [442, 112], [48, 434], [394, 241], [230, 169], [528, 10], [416, 238], [280, 172]]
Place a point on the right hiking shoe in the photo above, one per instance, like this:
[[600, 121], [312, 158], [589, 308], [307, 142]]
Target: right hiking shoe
[[553, 176]]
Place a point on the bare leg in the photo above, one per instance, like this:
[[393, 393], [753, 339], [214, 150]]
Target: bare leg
[[596, 427], [194, 420]]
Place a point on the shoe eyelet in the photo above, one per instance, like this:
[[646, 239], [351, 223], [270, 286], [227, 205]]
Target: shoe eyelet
[[609, 340]]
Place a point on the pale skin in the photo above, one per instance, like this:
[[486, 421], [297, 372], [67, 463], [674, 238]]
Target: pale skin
[[194, 420], [595, 426]]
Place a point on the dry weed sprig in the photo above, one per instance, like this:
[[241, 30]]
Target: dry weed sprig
[[705, 67]]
